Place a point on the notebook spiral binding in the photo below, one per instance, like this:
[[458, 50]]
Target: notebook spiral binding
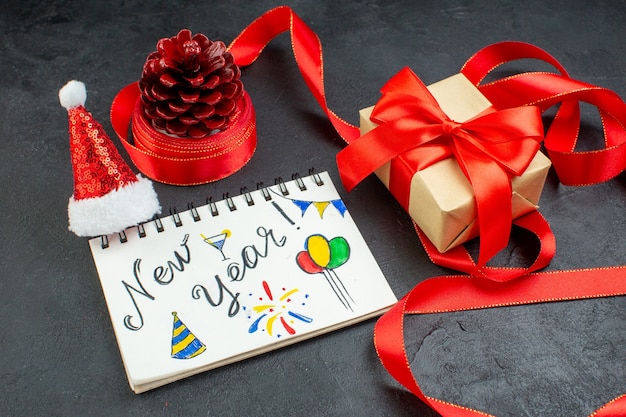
[[212, 206]]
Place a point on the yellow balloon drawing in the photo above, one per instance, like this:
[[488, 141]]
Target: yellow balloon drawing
[[319, 249]]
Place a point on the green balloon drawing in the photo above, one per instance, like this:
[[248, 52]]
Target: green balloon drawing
[[339, 252]]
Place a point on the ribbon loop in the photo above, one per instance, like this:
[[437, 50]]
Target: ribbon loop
[[413, 110], [490, 148], [548, 89], [459, 259]]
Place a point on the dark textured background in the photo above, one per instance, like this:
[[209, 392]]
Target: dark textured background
[[58, 354]]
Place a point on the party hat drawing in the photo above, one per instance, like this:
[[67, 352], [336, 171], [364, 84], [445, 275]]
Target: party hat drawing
[[184, 344]]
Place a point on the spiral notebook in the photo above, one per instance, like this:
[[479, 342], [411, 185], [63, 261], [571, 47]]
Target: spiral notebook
[[236, 278]]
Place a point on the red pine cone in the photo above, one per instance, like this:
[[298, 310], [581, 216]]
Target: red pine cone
[[190, 86]]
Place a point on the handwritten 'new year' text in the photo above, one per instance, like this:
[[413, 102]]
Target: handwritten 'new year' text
[[163, 275], [165, 272]]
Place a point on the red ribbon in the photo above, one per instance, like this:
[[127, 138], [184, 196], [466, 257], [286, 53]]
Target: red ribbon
[[464, 292], [179, 161], [490, 148], [307, 51], [459, 259], [547, 89], [454, 293]]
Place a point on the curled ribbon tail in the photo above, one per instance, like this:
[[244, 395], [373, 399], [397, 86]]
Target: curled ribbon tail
[[492, 191], [307, 51], [247, 47], [545, 89]]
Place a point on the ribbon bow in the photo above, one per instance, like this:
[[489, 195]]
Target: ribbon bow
[[490, 148]]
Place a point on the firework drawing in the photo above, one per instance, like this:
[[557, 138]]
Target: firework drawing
[[275, 315]]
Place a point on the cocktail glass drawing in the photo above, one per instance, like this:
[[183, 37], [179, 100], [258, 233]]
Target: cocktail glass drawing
[[217, 241]]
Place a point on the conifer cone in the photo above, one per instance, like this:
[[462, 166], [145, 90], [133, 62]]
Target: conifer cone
[[190, 85]]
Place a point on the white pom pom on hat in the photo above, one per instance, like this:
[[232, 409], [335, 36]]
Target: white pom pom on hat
[[73, 94], [108, 197]]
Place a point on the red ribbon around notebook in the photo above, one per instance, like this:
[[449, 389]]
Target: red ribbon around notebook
[[455, 293]]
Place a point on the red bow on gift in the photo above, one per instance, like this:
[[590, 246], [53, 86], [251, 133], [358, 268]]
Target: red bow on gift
[[490, 148]]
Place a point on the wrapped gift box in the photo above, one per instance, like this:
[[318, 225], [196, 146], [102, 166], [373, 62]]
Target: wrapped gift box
[[441, 198]]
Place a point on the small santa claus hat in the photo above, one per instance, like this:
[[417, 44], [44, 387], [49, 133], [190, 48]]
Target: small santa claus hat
[[108, 197]]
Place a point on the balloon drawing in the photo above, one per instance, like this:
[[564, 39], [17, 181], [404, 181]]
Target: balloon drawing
[[322, 256]]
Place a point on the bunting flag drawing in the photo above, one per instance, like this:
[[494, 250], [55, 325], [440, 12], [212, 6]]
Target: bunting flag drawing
[[320, 206]]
